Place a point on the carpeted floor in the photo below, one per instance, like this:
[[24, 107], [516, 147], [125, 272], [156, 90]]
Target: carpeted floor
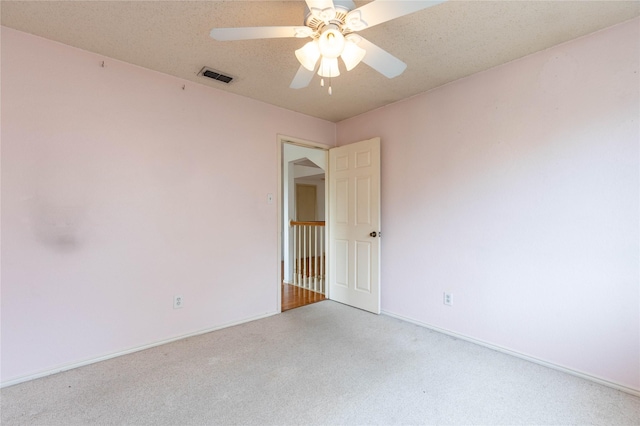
[[321, 364]]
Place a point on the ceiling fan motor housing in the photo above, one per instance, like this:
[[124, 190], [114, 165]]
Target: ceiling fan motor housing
[[318, 20]]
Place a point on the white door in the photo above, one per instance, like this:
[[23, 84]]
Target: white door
[[354, 225]]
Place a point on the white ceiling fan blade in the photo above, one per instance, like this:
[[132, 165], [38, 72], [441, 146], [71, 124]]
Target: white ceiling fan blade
[[329, 4], [380, 11], [302, 78], [381, 60], [347, 4], [250, 33]]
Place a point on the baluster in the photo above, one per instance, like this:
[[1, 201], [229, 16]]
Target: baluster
[[315, 258], [310, 278], [309, 258], [305, 273], [322, 261], [293, 251], [295, 257], [298, 256]]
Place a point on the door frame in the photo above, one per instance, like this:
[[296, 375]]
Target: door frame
[[281, 140]]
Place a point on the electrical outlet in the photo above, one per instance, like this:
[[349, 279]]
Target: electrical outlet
[[178, 301], [448, 299]]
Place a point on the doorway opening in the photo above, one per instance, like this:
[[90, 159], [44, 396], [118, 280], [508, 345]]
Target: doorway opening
[[302, 221]]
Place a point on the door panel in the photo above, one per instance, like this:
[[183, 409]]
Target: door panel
[[363, 262], [342, 263], [363, 200], [342, 201], [354, 214]]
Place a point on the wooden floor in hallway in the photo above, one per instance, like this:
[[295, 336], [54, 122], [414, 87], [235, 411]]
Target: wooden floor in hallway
[[294, 297]]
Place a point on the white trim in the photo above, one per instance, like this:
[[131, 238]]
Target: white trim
[[520, 355], [279, 232], [327, 228], [303, 142], [66, 367]]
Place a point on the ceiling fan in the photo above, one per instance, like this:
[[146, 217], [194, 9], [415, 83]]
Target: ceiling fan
[[332, 27]]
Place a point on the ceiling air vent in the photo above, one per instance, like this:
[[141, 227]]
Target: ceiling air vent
[[215, 75]]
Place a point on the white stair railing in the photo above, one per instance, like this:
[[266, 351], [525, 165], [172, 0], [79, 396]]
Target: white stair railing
[[308, 255]]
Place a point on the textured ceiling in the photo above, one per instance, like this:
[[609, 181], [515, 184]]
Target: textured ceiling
[[439, 44]]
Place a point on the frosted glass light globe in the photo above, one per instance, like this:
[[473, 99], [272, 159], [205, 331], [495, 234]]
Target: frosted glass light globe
[[331, 43], [308, 55], [352, 55], [329, 67]]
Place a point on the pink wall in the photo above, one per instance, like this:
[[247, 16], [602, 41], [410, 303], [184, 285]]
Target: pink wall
[[119, 190], [517, 190]]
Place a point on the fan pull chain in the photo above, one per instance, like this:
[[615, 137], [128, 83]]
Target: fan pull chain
[[322, 83]]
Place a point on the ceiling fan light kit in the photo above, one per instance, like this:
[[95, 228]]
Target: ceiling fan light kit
[[331, 24]]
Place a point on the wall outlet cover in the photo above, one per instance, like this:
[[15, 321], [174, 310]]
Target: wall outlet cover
[[448, 299], [178, 302]]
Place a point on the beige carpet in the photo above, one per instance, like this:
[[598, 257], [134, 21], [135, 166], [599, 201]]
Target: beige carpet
[[321, 364]]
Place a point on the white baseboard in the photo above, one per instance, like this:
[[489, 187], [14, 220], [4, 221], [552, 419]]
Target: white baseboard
[[530, 358], [71, 366]]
